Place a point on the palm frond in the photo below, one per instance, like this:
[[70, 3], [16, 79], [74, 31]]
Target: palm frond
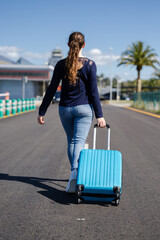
[[138, 55]]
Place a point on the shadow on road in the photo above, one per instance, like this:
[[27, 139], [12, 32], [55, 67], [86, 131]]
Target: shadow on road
[[50, 192]]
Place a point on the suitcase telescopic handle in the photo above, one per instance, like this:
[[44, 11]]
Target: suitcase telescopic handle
[[108, 136]]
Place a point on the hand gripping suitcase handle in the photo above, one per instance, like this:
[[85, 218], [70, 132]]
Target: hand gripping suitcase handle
[[108, 136]]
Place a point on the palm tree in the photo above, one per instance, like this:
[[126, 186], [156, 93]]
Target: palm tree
[[139, 56], [157, 74]]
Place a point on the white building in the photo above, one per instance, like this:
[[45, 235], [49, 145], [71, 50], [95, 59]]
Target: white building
[[55, 57], [36, 79]]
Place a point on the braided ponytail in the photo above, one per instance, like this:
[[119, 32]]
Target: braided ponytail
[[76, 41]]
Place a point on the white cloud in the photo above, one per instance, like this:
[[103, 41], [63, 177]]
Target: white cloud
[[95, 51], [10, 52], [101, 58], [36, 56], [14, 53]]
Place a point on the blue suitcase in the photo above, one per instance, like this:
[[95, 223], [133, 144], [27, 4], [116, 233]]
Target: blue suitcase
[[99, 175]]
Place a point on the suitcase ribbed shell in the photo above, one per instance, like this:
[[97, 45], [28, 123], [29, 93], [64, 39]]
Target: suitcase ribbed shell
[[100, 170]]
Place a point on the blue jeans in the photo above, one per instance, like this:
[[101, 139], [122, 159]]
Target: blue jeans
[[76, 122]]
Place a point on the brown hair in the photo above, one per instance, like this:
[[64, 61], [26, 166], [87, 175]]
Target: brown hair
[[75, 42]]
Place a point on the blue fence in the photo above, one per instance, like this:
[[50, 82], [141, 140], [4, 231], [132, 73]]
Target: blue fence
[[148, 100]]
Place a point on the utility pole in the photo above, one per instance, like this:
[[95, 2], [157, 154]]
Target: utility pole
[[24, 81], [118, 88]]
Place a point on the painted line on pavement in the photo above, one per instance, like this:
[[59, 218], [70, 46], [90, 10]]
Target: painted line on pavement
[[143, 112]]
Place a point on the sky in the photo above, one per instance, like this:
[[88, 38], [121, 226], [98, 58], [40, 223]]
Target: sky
[[33, 28]]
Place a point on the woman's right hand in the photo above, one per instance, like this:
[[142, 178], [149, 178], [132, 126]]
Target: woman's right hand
[[101, 122], [41, 120]]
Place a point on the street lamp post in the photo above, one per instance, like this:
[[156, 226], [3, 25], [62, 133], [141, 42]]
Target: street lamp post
[[100, 80], [111, 74], [118, 88]]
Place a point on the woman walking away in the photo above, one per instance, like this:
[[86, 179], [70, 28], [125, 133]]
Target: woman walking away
[[79, 97]]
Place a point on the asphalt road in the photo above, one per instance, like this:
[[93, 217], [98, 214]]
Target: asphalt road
[[34, 171]]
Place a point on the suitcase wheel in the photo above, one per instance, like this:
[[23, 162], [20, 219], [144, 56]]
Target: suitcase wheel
[[117, 202], [79, 193], [79, 190], [79, 200]]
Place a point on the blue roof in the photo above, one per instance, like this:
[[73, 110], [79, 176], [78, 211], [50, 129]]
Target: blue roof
[[6, 60], [23, 61]]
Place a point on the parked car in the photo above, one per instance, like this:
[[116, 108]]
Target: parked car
[[125, 97], [56, 97]]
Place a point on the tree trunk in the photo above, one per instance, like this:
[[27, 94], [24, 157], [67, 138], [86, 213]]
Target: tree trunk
[[138, 82], [139, 88]]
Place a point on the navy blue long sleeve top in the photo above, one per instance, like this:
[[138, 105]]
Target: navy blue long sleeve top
[[84, 92]]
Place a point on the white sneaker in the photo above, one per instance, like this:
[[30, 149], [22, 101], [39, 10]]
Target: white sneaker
[[71, 187]]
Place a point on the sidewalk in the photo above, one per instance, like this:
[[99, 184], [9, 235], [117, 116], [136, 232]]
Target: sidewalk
[[128, 105], [122, 103]]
